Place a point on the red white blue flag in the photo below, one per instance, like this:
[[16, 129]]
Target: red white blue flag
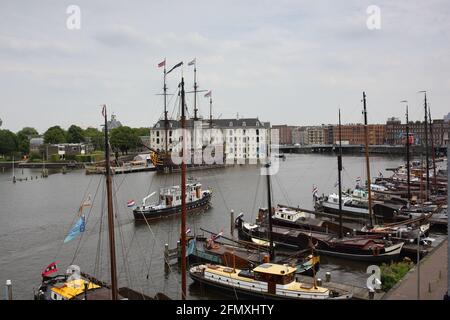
[[131, 203], [51, 268]]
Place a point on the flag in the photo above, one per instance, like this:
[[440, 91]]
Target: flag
[[358, 179], [380, 174], [188, 230], [131, 203], [51, 268], [104, 110], [162, 64], [77, 228], [175, 66], [336, 184], [192, 62], [208, 94]]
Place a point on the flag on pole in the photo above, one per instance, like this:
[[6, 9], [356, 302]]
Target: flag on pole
[[208, 94], [192, 62], [77, 228], [51, 268], [131, 203], [336, 184], [162, 63], [175, 66], [188, 230], [358, 179], [104, 110]]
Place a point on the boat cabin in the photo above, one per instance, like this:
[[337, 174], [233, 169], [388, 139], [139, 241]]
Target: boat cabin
[[71, 289], [274, 274], [290, 215], [171, 196]]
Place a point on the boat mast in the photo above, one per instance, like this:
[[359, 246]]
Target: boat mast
[[433, 155], [340, 178], [183, 193], [407, 152], [269, 207], [166, 120], [14, 172], [210, 111], [366, 133], [427, 163], [112, 245], [195, 91]]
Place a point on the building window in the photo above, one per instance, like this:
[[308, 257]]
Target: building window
[[257, 132], [170, 133], [231, 123], [157, 133], [157, 140], [244, 125]]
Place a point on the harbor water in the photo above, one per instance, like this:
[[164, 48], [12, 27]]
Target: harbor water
[[36, 215]]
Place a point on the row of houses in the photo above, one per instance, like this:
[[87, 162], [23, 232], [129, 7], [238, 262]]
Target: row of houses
[[393, 132]]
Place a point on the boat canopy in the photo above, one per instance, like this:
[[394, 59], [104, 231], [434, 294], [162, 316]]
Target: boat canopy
[[73, 288], [275, 269]]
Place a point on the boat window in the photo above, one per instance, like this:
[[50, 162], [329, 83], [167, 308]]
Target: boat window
[[282, 215]]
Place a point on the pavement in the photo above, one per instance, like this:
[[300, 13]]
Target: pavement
[[433, 278]]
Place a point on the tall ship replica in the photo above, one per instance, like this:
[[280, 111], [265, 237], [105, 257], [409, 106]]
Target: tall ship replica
[[211, 143]]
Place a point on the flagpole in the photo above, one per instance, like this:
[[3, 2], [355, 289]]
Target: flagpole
[[210, 110], [195, 90], [340, 178], [166, 120], [183, 194]]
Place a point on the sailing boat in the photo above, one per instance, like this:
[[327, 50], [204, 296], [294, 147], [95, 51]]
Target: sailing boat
[[76, 285]]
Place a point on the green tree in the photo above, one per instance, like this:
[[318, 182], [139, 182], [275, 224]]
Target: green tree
[[123, 139], [96, 137], [141, 132], [24, 136], [75, 134], [54, 135], [8, 142]]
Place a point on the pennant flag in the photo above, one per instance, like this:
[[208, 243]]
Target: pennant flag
[[78, 228], [104, 110], [208, 94], [131, 203], [315, 190], [188, 230], [380, 174], [192, 62], [175, 66], [51, 268], [162, 64]]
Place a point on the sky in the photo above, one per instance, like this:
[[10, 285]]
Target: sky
[[285, 61]]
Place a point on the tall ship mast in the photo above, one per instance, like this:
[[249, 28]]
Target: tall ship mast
[[366, 135]]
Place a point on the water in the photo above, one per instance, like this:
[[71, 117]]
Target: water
[[35, 216]]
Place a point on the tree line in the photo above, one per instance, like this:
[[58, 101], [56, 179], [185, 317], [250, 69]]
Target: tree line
[[122, 138]]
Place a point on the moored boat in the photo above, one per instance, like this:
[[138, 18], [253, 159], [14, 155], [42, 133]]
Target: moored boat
[[266, 281]]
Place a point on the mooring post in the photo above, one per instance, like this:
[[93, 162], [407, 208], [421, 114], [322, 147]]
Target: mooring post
[[328, 277], [232, 222], [166, 254], [9, 289], [319, 281]]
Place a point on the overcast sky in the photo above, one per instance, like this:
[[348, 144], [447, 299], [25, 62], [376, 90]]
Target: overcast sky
[[287, 62]]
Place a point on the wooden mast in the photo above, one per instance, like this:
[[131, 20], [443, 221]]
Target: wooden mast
[[433, 155], [112, 245], [166, 119], [210, 111], [183, 193], [407, 151], [341, 233], [269, 206], [427, 163], [366, 133], [195, 91]]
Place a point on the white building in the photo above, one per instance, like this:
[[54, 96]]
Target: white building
[[242, 140]]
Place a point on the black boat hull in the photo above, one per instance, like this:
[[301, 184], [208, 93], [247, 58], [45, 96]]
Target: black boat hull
[[201, 204]]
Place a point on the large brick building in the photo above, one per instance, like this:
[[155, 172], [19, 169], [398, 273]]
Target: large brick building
[[396, 132], [285, 133], [354, 134]]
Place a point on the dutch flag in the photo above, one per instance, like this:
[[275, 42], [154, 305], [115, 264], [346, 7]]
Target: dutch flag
[[131, 203]]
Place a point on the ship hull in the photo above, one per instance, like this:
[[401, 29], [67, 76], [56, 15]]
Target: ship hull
[[146, 214]]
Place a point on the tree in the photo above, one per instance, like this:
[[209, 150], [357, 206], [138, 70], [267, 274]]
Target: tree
[[55, 135], [123, 139], [8, 142], [24, 136], [75, 134], [141, 132], [94, 136]]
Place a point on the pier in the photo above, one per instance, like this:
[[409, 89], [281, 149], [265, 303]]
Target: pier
[[433, 278]]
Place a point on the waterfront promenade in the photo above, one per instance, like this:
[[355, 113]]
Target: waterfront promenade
[[431, 267]]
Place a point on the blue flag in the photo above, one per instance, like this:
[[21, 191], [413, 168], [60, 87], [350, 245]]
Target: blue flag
[[77, 228]]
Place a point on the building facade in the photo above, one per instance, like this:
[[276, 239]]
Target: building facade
[[240, 139], [396, 132], [285, 133]]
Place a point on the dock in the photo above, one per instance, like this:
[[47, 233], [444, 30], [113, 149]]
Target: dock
[[433, 278]]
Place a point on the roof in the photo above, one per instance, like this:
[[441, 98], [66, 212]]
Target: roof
[[273, 268], [221, 123]]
